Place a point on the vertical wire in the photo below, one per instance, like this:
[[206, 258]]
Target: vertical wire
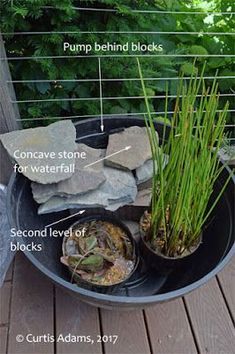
[[101, 97]]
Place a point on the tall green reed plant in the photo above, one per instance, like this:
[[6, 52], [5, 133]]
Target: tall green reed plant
[[181, 190]]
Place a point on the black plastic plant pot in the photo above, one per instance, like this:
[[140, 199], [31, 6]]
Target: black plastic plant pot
[[146, 286], [162, 264], [104, 289]]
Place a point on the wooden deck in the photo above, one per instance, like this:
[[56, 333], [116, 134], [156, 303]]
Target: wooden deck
[[201, 322]]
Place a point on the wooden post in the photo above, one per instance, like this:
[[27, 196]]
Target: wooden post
[[9, 113]]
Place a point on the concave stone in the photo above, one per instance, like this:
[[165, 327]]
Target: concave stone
[[133, 158], [57, 137], [82, 181]]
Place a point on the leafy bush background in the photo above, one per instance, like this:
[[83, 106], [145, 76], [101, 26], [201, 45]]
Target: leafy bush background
[[31, 16]]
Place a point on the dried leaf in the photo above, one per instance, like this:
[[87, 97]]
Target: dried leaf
[[110, 243], [107, 254], [128, 248], [74, 260], [91, 242], [92, 263], [64, 260], [81, 245]]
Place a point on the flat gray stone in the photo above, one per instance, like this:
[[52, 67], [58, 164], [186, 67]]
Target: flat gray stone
[[82, 181], [57, 137], [145, 172], [133, 158], [228, 155], [143, 198], [119, 189], [5, 236], [145, 185]]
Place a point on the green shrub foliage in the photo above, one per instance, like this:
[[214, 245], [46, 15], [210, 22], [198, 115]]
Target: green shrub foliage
[[38, 15]]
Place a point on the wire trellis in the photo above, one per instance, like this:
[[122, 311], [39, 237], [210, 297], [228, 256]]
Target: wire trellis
[[206, 13], [104, 57], [115, 115], [120, 56], [115, 79], [102, 98], [120, 32], [108, 98]]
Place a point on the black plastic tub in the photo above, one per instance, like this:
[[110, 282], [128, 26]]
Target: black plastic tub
[[146, 287]]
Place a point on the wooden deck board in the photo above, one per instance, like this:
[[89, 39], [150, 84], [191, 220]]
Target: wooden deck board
[[9, 273], [165, 328], [131, 331], [5, 295], [76, 318], [169, 329], [3, 341], [227, 281], [31, 308], [210, 319]]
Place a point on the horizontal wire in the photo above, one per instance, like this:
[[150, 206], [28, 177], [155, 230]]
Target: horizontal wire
[[120, 56], [115, 80], [113, 115], [117, 32], [108, 98], [146, 11]]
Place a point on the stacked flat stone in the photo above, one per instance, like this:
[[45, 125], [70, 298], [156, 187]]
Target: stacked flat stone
[[115, 181]]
